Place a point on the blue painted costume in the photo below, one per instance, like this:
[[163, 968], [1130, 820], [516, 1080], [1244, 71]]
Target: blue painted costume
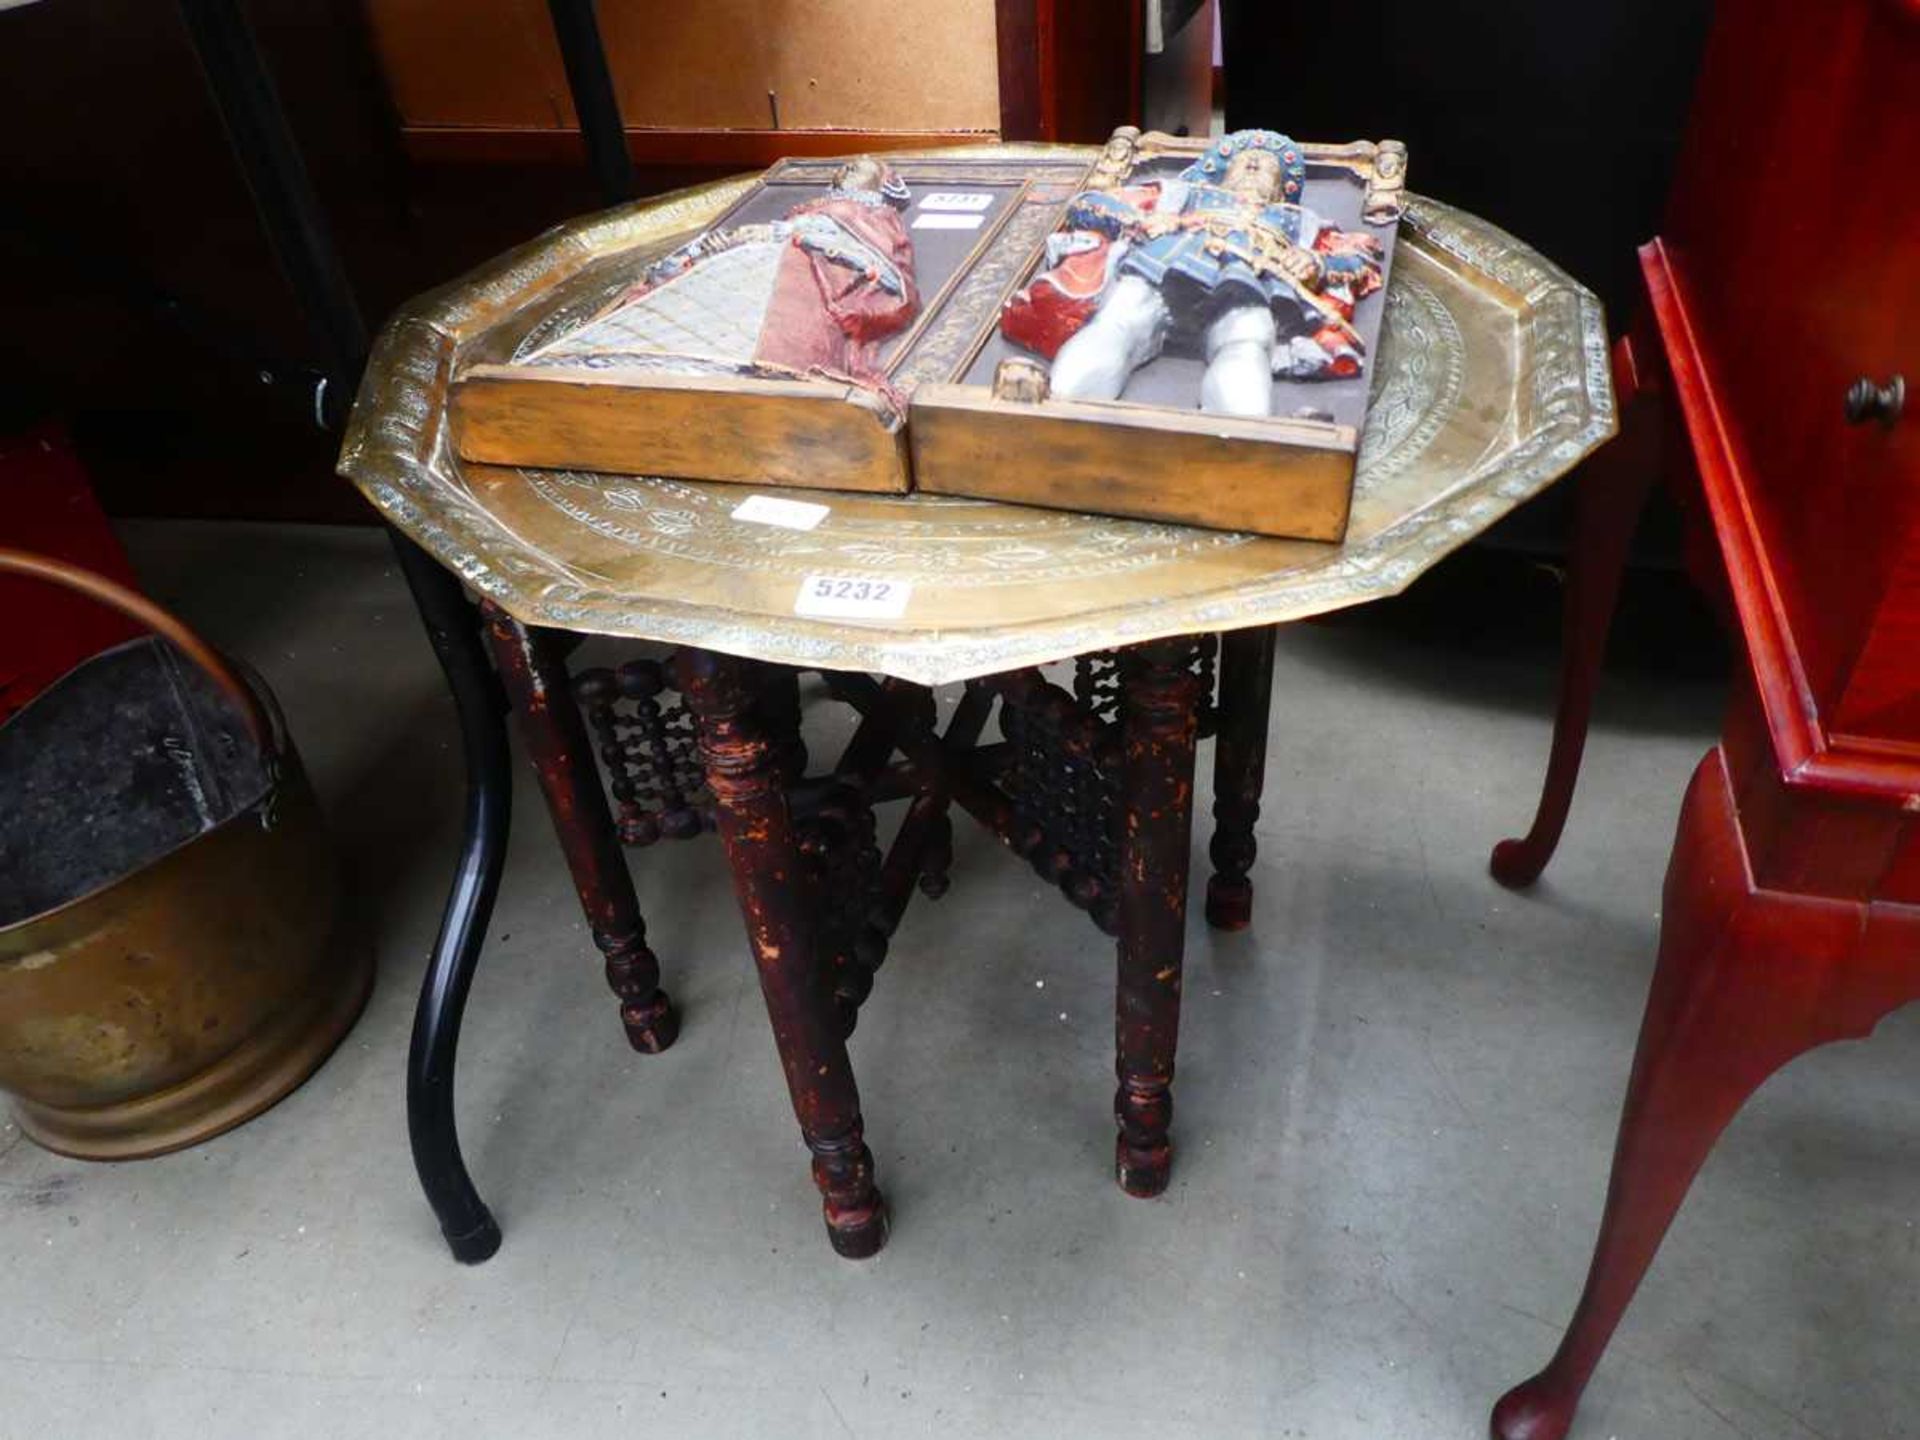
[[1209, 258], [1207, 250], [1222, 262]]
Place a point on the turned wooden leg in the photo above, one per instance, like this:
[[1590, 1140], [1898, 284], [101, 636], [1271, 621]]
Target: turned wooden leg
[[937, 860], [1239, 772], [1159, 695], [1612, 489], [780, 701], [843, 862], [744, 772], [556, 740], [1747, 979]]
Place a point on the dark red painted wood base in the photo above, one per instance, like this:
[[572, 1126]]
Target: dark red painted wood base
[[1239, 772], [746, 752], [652, 1025], [1229, 903], [821, 901], [1159, 699], [855, 1210], [555, 736]]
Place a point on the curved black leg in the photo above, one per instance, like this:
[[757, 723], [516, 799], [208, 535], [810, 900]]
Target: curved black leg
[[263, 145], [453, 628]]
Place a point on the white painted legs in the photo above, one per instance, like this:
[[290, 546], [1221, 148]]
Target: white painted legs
[[1130, 328], [1125, 333], [1239, 379]]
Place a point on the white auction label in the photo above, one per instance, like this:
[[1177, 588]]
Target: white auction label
[[852, 597], [940, 220], [787, 514], [956, 200]]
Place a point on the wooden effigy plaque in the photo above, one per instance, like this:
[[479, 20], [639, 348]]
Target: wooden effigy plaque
[[1172, 329]]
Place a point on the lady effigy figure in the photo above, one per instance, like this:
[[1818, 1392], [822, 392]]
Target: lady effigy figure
[[846, 279], [1223, 261], [813, 293]]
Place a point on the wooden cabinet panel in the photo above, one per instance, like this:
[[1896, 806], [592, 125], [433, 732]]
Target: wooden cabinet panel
[[478, 62], [860, 65], [1799, 242]]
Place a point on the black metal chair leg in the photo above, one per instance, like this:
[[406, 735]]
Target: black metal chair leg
[[453, 629]]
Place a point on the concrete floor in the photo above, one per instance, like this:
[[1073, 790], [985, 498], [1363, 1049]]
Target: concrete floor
[[1396, 1105]]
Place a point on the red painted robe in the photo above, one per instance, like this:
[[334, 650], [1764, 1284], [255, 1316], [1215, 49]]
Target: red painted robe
[[828, 316], [1044, 315]]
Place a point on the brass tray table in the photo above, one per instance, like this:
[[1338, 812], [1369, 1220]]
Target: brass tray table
[[1491, 381]]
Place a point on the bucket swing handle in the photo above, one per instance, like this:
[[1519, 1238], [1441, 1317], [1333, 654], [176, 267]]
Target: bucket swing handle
[[170, 627]]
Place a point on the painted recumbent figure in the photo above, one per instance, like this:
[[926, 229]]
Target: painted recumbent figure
[[1222, 262], [814, 293]]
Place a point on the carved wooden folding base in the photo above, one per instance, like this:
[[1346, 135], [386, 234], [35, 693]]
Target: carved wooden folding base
[[1092, 785]]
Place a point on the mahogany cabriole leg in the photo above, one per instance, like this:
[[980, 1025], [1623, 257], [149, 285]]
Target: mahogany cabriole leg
[[1159, 695], [1612, 489], [1747, 979], [556, 740], [1239, 772], [743, 767]]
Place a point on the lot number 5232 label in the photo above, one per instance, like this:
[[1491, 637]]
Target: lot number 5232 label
[[852, 597]]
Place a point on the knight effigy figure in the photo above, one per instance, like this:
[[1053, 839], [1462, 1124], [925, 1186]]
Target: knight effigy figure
[[1223, 262], [814, 293]]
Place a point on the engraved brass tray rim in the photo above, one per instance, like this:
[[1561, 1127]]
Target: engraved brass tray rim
[[398, 453]]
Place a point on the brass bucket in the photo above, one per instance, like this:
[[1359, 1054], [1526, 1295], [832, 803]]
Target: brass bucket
[[166, 898]]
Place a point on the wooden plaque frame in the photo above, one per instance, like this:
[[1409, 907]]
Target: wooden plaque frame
[[1281, 477]]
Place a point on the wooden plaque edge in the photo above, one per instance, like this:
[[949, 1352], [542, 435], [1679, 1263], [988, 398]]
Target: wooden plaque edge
[[1089, 454], [808, 434]]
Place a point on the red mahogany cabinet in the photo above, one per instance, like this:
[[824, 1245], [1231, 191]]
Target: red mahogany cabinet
[[1777, 354]]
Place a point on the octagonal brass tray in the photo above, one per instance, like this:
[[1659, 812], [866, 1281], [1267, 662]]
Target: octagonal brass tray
[[1491, 381]]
